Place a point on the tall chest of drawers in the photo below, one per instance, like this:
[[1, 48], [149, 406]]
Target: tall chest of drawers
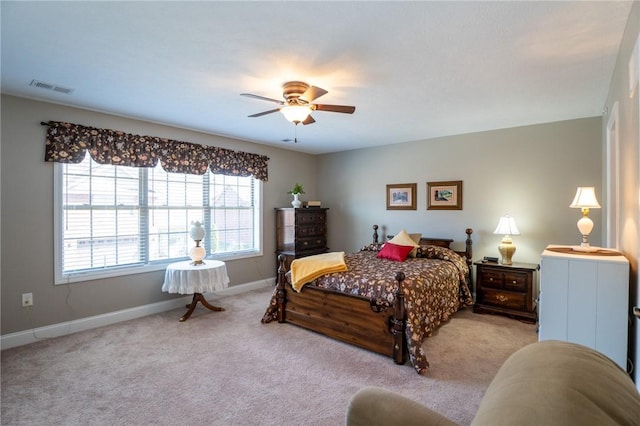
[[507, 289], [584, 298], [300, 232]]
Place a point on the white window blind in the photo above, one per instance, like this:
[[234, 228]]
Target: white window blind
[[115, 220]]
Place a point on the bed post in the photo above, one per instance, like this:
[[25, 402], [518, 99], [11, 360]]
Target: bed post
[[469, 256], [281, 296], [469, 246], [375, 234], [398, 323]]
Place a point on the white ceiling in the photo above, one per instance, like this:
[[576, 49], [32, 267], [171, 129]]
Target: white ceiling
[[414, 70]]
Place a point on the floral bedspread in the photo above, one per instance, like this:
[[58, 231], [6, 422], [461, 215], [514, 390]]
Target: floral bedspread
[[435, 287]]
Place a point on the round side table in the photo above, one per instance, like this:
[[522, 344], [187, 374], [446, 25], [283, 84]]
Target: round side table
[[185, 278]]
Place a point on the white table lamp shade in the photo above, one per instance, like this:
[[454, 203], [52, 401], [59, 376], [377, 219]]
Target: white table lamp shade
[[585, 198], [507, 226]]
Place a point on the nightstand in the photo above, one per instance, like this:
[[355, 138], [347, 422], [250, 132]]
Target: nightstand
[[506, 289]]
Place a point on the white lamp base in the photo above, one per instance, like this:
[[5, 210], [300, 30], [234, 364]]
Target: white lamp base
[[585, 225], [197, 253]]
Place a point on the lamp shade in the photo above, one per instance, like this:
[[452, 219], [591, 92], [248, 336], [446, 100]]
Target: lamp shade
[[197, 231], [507, 226], [585, 198], [296, 113]]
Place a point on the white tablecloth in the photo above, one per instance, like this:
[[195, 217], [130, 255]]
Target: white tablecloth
[[184, 278]]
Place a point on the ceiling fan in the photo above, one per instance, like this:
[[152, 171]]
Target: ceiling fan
[[297, 105]]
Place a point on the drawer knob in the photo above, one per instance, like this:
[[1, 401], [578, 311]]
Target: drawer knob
[[491, 279], [515, 282], [502, 298]]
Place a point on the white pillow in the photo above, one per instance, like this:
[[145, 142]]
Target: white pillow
[[404, 239]]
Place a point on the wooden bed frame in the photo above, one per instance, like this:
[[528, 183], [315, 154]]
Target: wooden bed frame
[[354, 319]]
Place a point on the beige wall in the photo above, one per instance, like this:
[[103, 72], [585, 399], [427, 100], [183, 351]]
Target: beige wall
[[540, 160], [530, 173], [629, 137], [27, 218]]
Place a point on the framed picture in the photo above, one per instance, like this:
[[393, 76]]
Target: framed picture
[[401, 196], [444, 195]]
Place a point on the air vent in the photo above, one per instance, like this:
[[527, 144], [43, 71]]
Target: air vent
[[48, 86]]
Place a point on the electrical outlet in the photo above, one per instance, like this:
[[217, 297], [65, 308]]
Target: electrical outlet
[[27, 299]]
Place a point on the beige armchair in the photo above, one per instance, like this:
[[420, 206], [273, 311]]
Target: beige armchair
[[545, 383]]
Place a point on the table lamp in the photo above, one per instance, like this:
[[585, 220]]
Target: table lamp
[[197, 253], [507, 227], [585, 199]]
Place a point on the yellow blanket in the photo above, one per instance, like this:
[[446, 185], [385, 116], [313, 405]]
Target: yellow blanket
[[309, 268]]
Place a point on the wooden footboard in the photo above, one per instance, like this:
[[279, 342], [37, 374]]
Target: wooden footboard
[[352, 319]]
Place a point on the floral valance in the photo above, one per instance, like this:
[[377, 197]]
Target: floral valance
[[68, 143]]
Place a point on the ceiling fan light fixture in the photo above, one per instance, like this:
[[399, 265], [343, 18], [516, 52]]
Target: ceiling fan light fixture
[[296, 113]]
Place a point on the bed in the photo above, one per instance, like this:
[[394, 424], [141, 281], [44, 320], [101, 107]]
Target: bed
[[381, 305]]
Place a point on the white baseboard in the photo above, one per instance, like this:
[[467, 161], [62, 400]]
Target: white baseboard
[[56, 330]]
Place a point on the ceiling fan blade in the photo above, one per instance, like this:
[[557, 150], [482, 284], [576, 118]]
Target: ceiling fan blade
[[260, 114], [335, 108], [312, 93], [308, 120], [262, 98]]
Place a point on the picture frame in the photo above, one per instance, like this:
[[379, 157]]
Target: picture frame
[[445, 195], [401, 196]]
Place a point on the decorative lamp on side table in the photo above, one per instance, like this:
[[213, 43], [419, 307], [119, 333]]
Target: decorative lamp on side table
[[507, 227], [585, 199], [196, 276], [198, 252]]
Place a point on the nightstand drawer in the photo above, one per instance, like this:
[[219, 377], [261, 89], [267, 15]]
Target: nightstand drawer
[[515, 281], [504, 299], [491, 278]]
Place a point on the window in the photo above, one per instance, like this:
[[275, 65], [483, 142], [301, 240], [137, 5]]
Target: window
[[115, 220]]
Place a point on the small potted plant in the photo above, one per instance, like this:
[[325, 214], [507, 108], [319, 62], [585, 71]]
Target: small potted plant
[[296, 191]]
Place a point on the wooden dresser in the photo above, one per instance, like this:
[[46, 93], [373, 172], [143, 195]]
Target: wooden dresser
[[301, 232], [506, 289]]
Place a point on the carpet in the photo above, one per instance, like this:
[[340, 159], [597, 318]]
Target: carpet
[[226, 368]]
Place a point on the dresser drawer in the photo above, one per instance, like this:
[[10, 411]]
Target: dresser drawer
[[310, 230], [311, 243], [504, 299], [311, 216]]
